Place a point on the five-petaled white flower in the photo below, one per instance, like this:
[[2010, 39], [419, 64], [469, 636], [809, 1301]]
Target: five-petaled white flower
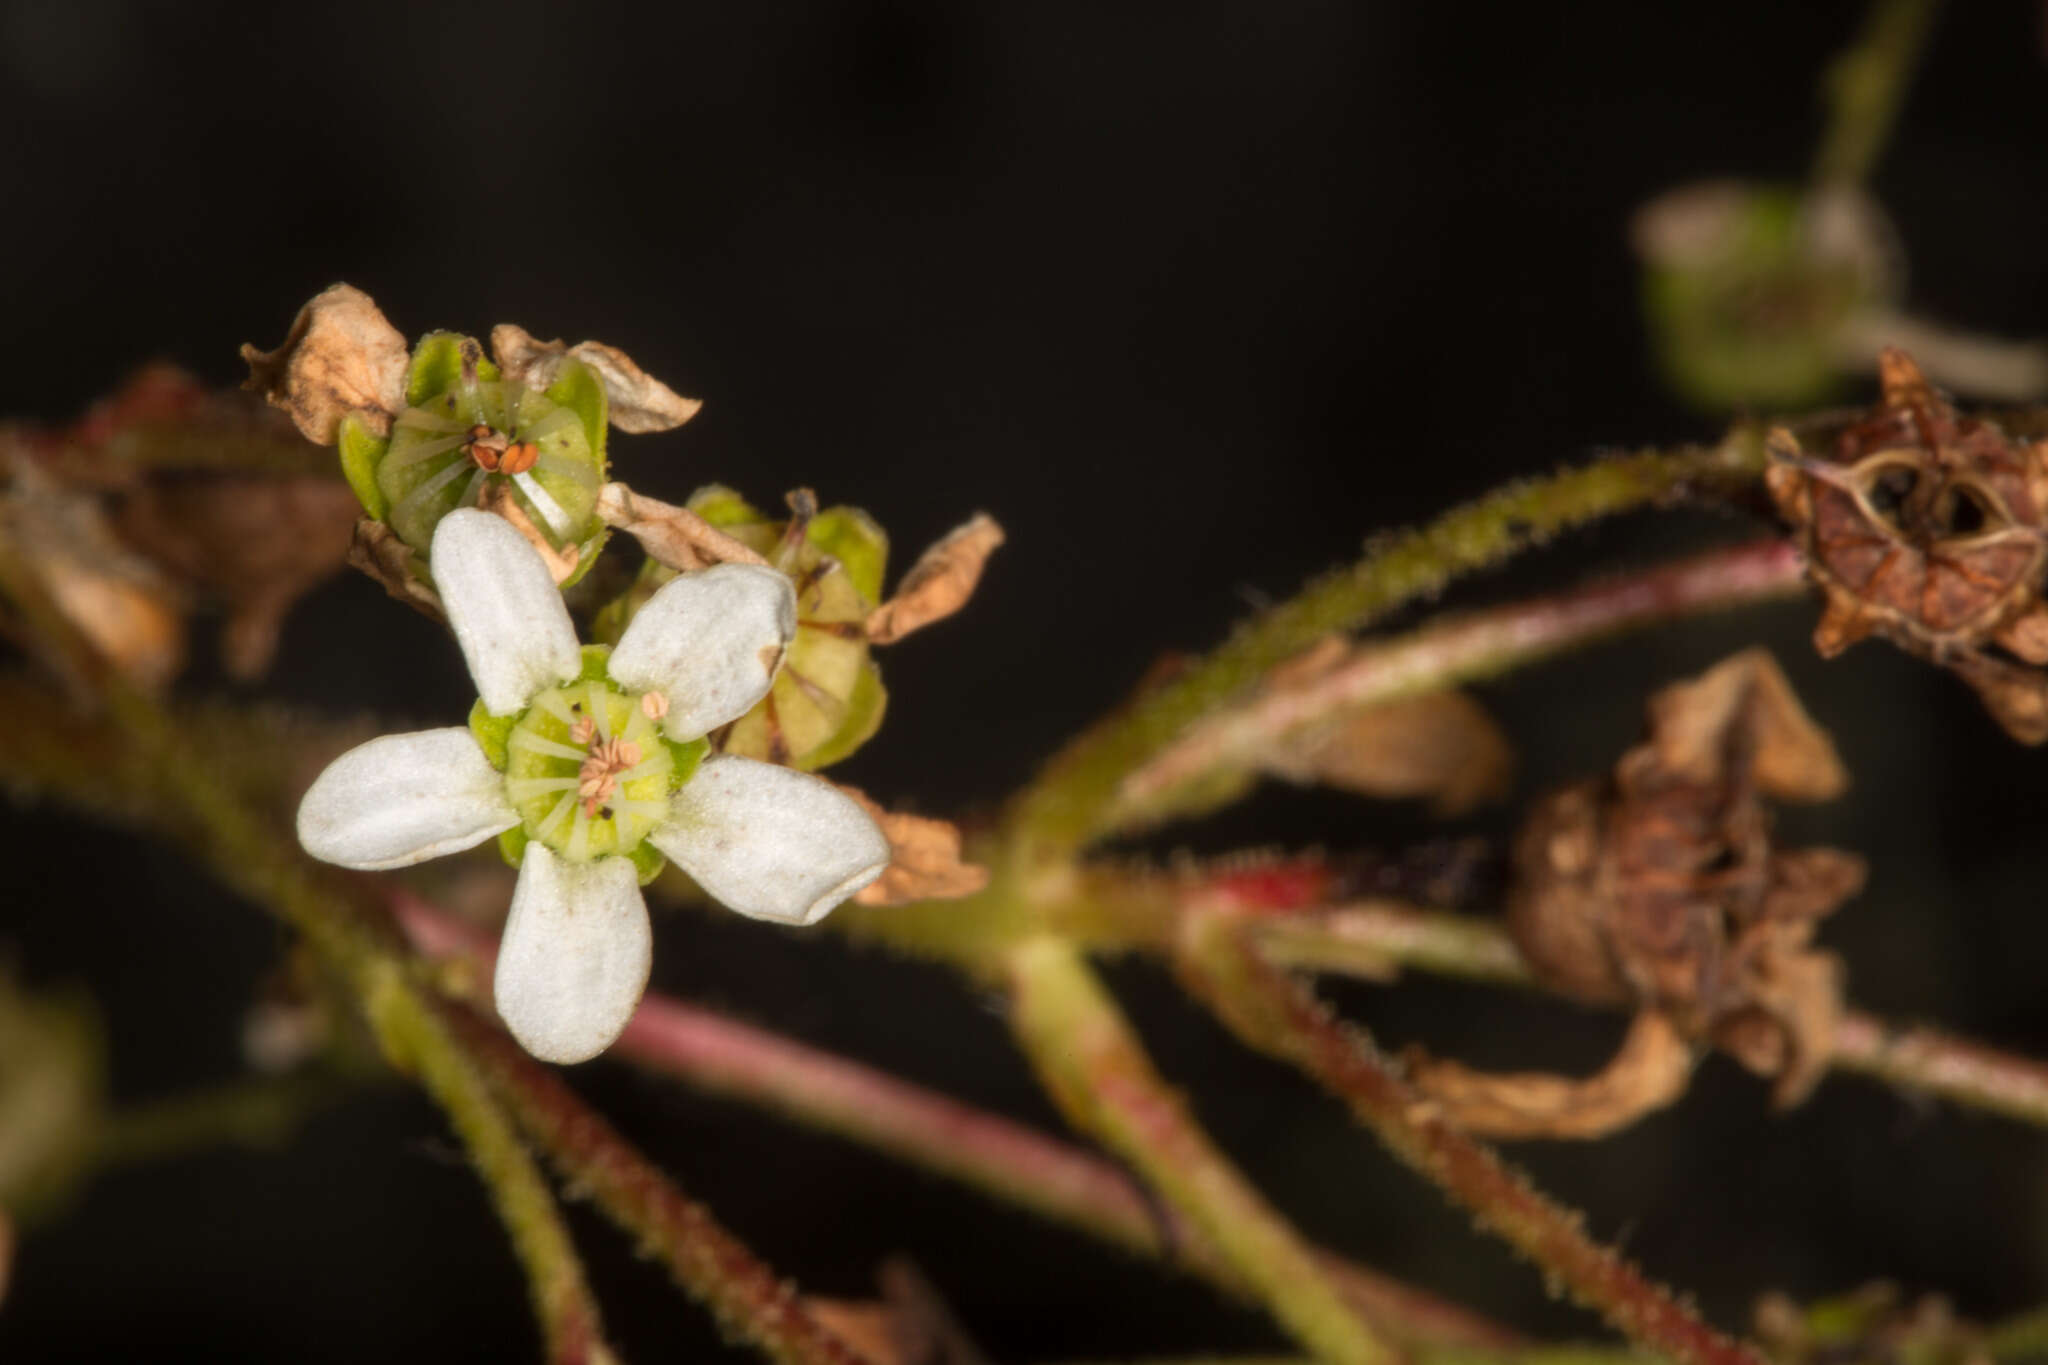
[[595, 761]]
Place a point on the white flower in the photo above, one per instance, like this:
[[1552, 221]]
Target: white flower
[[594, 761]]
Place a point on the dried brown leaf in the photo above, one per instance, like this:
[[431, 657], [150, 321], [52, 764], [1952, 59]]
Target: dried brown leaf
[[340, 357], [1649, 1072], [1441, 746], [639, 402], [940, 583], [1793, 759], [924, 858], [378, 552], [671, 535], [132, 614]]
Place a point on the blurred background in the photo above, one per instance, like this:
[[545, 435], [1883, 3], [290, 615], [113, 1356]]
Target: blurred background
[[1193, 297]]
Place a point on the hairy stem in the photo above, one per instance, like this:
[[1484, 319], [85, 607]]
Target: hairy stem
[[1382, 938], [1271, 1011], [1065, 807], [1458, 650], [416, 1040], [1865, 86], [349, 929], [1098, 1072], [987, 1152], [750, 1301]]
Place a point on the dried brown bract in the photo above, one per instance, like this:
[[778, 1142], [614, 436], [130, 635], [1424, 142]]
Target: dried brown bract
[[924, 858], [1659, 887], [1928, 528], [672, 536], [940, 583], [377, 551], [340, 357], [639, 402]]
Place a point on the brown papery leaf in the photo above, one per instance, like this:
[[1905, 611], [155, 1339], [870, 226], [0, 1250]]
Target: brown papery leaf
[[1649, 1072], [340, 357], [1441, 746], [132, 614], [639, 402], [378, 552], [1793, 759], [671, 535], [924, 858], [940, 583]]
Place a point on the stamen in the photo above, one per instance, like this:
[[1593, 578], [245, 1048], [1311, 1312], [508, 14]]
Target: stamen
[[653, 705]]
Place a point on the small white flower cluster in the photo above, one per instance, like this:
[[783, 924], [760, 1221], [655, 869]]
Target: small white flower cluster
[[597, 762]]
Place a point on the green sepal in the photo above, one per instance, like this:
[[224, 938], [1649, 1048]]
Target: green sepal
[[361, 453], [860, 545], [578, 389], [647, 861], [586, 556], [492, 733], [595, 657], [512, 846], [437, 366], [688, 754], [722, 507], [864, 708]]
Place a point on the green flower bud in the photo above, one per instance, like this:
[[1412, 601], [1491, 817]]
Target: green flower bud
[[828, 699], [1750, 290], [466, 428]]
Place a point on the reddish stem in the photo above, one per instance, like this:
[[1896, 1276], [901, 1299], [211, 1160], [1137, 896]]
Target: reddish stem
[[1274, 1012], [750, 1301], [1054, 1179]]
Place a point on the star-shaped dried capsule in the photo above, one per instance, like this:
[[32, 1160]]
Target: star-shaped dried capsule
[[1929, 528]]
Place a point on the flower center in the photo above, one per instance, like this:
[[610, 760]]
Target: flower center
[[445, 451], [588, 772]]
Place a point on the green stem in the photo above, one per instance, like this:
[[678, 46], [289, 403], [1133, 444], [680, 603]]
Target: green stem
[[349, 929], [1865, 86], [1096, 1069], [1066, 806], [1271, 1011], [1000, 1158], [416, 1040], [747, 1297], [1451, 651]]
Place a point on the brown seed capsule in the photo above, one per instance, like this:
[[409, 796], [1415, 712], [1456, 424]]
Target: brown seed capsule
[[1659, 887], [1930, 529]]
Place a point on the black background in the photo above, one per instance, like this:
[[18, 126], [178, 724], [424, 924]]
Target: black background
[[1193, 297]]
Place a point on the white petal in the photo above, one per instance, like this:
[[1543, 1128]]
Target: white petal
[[401, 799], [770, 842], [575, 955], [504, 607], [710, 642]]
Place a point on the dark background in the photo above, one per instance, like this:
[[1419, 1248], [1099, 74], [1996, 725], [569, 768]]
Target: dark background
[[1193, 297]]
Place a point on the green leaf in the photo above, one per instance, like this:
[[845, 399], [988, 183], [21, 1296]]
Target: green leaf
[[361, 452], [647, 861], [512, 846], [722, 507]]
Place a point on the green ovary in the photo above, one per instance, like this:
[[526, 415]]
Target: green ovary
[[544, 767], [427, 473]]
